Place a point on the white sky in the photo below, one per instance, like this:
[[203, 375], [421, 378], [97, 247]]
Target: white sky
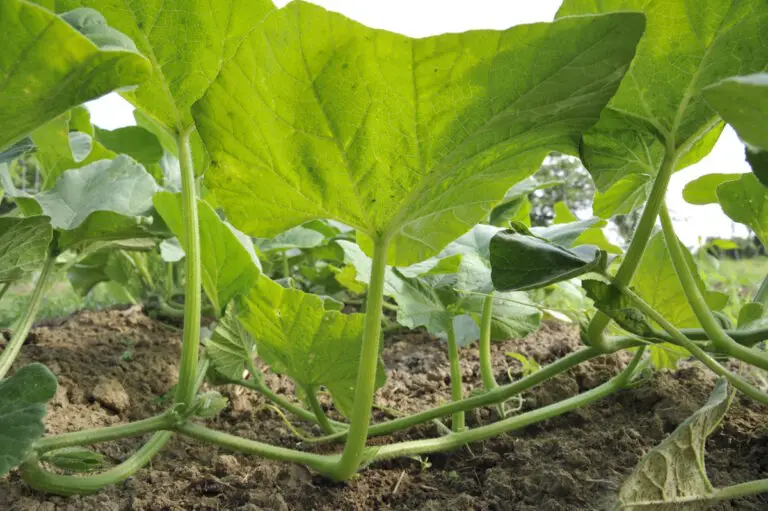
[[420, 18]]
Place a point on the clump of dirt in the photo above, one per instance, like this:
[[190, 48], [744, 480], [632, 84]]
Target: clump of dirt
[[117, 365]]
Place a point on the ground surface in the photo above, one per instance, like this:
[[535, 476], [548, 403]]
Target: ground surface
[[115, 365]]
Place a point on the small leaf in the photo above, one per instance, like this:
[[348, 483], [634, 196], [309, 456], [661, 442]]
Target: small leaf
[[209, 404], [674, 471], [297, 336], [296, 237], [171, 250], [611, 301], [749, 313], [24, 245], [758, 160], [572, 232], [230, 348], [515, 202], [745, 200], [74, 459], [703, 190], [228, 267], [521, 262], [23, 397], [48, 67], [135, 141]]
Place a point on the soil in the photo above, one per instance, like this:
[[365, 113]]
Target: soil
[[116, 365]]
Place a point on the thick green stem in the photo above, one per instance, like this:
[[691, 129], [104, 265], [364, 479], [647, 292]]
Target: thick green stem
[[744, 337], [709, 323], [140, 262], [169, 281], [317, 408], [596, 329], [96, 435], [22, 327], [486, 362], [323, 464], [45, 481], [498, 395], [504, 426], [4, 289], [457, 420], [366, 373], [735, 380], [185, 390], [761, 296]]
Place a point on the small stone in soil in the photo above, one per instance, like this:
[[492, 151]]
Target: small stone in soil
[[110, 394]]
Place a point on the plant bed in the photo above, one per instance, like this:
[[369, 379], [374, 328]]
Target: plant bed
[[561, 464]]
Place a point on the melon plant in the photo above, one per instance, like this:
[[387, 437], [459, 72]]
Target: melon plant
[[263, 123]]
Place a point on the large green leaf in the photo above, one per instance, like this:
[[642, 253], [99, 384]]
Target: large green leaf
[[228, 266], [24, 245], [743, 102], [48, 67], [297, 336], [745, 200], [187, 42], [673, 474], [686, 47], [318, 116], [22, 407]]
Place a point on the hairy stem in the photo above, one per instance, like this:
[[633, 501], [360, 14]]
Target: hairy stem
[[43, 480], [366, 374], [735, 380], [11, 351], [709, 323], [596, 329], [455, 440], [457, 420], [185, 390]]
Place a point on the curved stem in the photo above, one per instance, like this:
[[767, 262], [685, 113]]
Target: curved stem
[[96, 435], [11, 351], [709, 323], [317, 408], [457, 420], [43, 480], [366, 373], [596, 329], [486, 362], [735, 380], [185, 390], [504, 426]]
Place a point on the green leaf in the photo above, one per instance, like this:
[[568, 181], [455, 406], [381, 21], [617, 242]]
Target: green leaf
[[209, 404], [74, 459], [674, 471], [171, 250], [297, 336], [626, 195], [515, 206], [22, 407], [48, 67], [296, 237], [138, 143], [228, 267], [513, 316], [686, 47], [750, 313], [703, 190], [85, 274], [612, 302], [572, 232], [187, 41], [657, 283], [743, 102], [745, 201], [758, 160], [414, 138], [521, 262], [24, 245], [230, 348]]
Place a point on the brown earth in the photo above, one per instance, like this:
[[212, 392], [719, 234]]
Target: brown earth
[[115, 366]]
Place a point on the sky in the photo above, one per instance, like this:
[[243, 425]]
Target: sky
[[421, 18]]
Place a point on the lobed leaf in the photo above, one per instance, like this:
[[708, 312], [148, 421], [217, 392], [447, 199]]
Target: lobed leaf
[[48, 67], [687, 46], [297, 336], [22, 407], [413, 139], [24, 245]]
